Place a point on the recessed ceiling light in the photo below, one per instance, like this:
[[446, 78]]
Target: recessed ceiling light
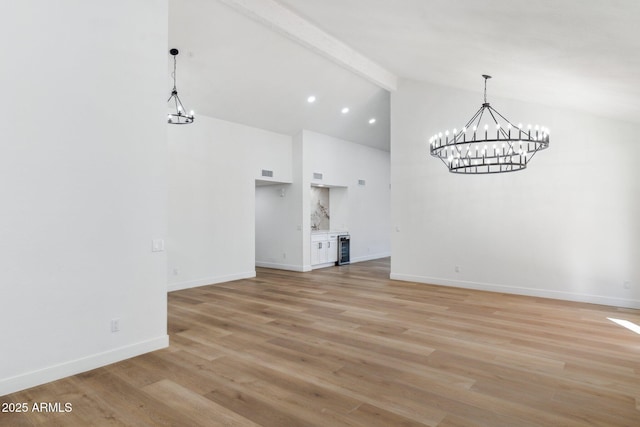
[[372, 120], [345, 110], [311, 99]]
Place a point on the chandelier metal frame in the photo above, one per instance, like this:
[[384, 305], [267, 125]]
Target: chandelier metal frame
[[180, 117], [502, 147]]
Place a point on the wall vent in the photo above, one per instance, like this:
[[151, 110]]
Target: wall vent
[[267, 173], [362, 182], [317, 175]]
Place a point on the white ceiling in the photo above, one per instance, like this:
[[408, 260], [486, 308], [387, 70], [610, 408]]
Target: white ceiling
[[234, 68], [578, 54]]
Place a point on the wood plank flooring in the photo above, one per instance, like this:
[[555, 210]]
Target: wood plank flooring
[[346, 346]]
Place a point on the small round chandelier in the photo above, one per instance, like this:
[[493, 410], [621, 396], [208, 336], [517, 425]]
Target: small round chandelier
[[494, 145], [177, 114]]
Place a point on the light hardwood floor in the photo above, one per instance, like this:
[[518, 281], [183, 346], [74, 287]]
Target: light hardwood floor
[[347, 346]]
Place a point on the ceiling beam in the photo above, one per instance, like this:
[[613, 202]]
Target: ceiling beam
[[284, 21]]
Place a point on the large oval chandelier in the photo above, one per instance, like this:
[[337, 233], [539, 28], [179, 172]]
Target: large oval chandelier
[[488, 143]]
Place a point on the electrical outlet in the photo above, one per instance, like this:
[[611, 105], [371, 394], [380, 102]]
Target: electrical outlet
[[176, 271], [626, 284], [457, 268], [115, 325], [284, 255]]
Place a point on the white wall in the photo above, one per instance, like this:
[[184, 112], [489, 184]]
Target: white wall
[[277, 237], [339, 202], [301, 184], [283, 224], [342, 164], [280, 219], [213, 166], [566, 227], [83, 192]]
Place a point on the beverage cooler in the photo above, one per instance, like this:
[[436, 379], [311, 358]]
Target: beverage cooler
[[343, 249]]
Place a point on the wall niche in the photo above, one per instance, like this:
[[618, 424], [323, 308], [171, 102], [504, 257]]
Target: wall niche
[[320, 217]]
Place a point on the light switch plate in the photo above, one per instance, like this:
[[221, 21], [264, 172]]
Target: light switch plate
[[157, 245]]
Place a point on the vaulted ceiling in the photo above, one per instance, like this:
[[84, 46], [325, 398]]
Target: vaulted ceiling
[[238, 64]]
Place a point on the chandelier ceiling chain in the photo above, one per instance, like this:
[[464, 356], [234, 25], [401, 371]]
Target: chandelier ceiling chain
[[470, 152], [177, 116], [486, 77]]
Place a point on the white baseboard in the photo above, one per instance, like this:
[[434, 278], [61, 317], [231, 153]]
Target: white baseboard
[[73, 367], [325, 265], [291, 267], [542, 293], [370, 257], [209, 281], [277, 266]]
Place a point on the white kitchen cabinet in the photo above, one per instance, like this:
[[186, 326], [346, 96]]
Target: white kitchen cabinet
[[315, 253], [319, 248], [319, 252], [324, 249], [332, 247]]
